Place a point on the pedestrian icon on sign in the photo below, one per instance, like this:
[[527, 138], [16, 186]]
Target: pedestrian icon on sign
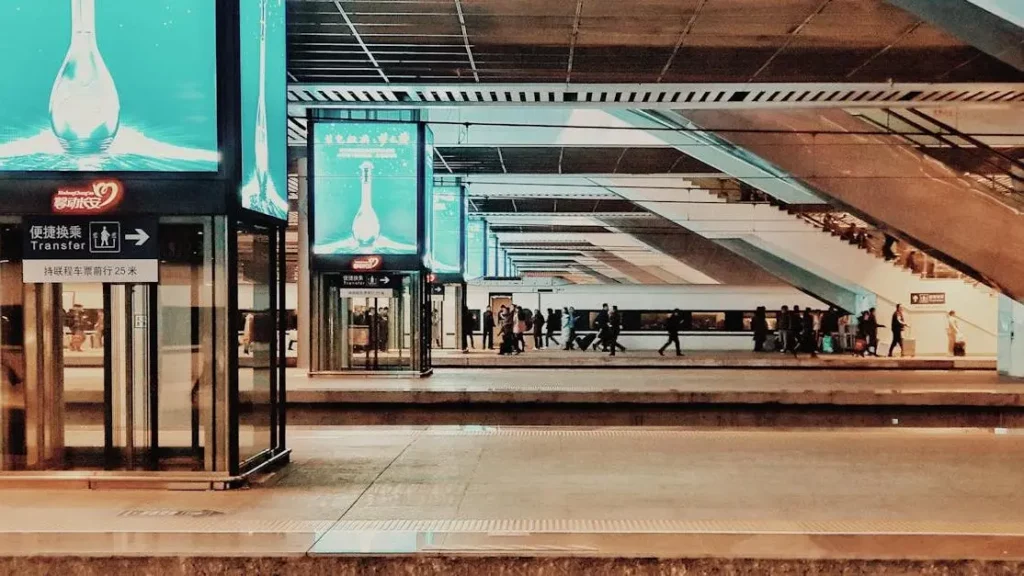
[[105, 237]]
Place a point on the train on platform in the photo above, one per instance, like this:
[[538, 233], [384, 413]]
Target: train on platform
[[714, 317]]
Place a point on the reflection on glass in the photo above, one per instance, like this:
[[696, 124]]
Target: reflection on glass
[[258, 328]]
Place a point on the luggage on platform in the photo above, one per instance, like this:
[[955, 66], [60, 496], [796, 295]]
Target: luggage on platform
[[826, 344], [585, 341], [909, 347], [960, 349]]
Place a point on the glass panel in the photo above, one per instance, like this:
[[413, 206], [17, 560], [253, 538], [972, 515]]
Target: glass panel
[[83, 325], [185, 341], [258, 327], [12, 360], [708, 321]]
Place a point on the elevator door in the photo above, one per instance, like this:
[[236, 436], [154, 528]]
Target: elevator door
[[368, 333], [130, 377]]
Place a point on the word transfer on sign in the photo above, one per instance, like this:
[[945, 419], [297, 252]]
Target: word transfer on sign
[[108, 250]]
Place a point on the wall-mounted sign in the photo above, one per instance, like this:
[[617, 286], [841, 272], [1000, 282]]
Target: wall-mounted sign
[[115, 85], [928, 298], [367, 263], [96, 198], [369, 285], [90, 250]]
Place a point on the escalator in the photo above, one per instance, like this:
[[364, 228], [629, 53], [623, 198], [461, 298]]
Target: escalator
[[883, 179]]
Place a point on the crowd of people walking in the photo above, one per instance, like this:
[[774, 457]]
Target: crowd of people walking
[[794, 331], [831, 331], [514, 323]]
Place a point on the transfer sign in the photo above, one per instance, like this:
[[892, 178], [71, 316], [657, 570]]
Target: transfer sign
[[120, 250]]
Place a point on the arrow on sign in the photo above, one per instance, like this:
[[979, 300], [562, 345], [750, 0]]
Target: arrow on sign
[[139, 236], [385, 280]]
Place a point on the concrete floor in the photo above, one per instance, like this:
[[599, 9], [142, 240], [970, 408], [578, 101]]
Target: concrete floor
[[607, 491]]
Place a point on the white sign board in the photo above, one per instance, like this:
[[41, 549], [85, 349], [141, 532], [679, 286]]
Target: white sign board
[[90, 271], [366, 293]]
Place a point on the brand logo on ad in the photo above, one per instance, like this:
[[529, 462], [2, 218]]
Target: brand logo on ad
[[366, 263], [99, 197]]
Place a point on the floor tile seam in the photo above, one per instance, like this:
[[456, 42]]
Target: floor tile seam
[[362, 493]]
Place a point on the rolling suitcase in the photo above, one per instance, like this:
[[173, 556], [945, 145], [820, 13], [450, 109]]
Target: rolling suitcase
[[585, 341]]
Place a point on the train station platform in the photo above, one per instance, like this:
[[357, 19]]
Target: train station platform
[[546, 358], [727, 397], [487, 500]]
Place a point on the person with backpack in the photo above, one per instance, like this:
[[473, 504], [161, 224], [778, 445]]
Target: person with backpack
[[672, 327]]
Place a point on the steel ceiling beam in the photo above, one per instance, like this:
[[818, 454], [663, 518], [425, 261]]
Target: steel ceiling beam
[[790, 37], [572, 41], [359, 39], [650, 96], [465, 39], [682, 37]]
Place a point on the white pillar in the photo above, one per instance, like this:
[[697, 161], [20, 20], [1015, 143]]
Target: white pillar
[[302, 280], [1011, 337]]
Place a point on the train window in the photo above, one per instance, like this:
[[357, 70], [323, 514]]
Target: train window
[[734, 321], [630, 320], [702, 321], [653, 321], [748, 318]]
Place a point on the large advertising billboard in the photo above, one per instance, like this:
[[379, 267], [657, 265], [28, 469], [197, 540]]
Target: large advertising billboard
[[428, 196], [365, 183], [446, 237], [109, 85], [264, 108], [476, 236]]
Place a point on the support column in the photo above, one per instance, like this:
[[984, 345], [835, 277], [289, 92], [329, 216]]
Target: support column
[[1011, 337], [302, 280]]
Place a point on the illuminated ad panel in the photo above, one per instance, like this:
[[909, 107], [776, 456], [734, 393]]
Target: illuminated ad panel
[[446, 238], [109, 85], [365, 183], [264, 137]]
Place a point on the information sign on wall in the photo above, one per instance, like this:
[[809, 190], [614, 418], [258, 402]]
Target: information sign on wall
[[90, 250], [928, 298]]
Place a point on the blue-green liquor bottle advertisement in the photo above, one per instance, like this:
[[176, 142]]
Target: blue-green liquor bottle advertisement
[[109, 85], [365, 186], [264, 107], [446, 237]]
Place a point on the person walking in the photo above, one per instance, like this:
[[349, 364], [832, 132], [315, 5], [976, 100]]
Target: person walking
[[782, 327], [551, 329], [614, 328], [796, 328], [601, 324], [872, 330], [957, 341], [672, 327], [569, 327], [538, 329], [518, 329], [488, 335], [759, 324], [899, 323], [809, 342], [506, 319], [467, 329]]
